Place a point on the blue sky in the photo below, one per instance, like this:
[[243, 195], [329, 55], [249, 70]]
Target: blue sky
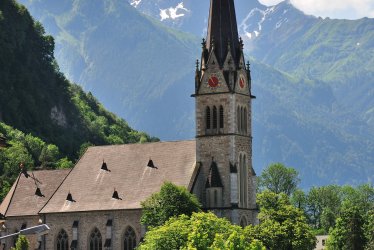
[[342, 9]]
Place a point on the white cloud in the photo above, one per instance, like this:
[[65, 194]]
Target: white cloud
[[348, 9], [173, 13]]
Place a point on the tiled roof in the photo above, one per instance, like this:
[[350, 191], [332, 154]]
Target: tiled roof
[[22, 200], [129, 173]]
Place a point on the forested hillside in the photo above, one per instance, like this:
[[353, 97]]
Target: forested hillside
[[312, 76], [47, 120]]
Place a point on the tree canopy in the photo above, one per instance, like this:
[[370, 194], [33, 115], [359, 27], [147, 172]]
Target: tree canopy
[[279, 179], [171, 201], [200, 231]]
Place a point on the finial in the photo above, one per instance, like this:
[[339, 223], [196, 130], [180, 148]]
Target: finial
[[248, 65], [241, 42], [212, 43], [203, 44], [197, 64]]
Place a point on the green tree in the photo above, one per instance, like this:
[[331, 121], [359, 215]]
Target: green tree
[[348, 232], [279, 179], [283, 226], [369, 230], [171, 201], [203, 231], [22, 243], [323, 205]]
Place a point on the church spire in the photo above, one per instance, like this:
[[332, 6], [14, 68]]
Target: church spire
[[223, 30]]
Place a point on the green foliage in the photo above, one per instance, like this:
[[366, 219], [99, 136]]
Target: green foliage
[[348, 232], [30, 151], [36, 98], [282, 225], [171, 201], [324, 204], [200, 231], [279, 179], [57, 118], [22, 243]]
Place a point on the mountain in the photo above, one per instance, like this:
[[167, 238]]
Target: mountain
[[142, 69], [36, 98]]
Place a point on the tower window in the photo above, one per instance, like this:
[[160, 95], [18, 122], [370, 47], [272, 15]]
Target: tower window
[[221, 120], [214, 117], [245, 121], [238, 118], [207, 116]]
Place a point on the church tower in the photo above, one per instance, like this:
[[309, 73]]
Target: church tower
[[226, 179]]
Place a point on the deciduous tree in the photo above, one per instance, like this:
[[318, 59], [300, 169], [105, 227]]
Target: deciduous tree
[[279, 179]]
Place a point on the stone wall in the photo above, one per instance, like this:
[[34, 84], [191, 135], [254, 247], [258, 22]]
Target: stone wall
[[88, 221]]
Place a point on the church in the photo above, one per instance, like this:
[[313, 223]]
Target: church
[[97, 204]]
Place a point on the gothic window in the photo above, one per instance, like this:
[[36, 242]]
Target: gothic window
[[243, 181], [221, 120], [207, 118], [241, 198], [241, 120], [245, 121], [243, 222], [129, 239], [96, 242], [238, 118], [214, 117], [62, 242]]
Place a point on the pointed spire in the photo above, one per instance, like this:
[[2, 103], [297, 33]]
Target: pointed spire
[[222, 29]]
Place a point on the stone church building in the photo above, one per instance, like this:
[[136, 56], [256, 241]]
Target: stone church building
[[97, 204]]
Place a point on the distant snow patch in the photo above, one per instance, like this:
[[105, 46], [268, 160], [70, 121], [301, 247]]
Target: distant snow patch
[[135, 3], [173, 13], [358, 44]]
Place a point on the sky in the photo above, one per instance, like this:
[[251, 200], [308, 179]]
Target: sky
[[342, 9]]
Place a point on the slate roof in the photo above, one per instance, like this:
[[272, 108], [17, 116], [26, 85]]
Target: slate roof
[[222, 28], [22, 200], [129, 173]]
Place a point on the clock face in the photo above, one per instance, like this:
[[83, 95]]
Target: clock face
[[213, 81], [242, 82]]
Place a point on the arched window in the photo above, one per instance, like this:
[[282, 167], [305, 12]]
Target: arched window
[[242, 120], [238, 118], [129, 239], [241, 193], [221, 120], [245, 121], [96, 242], [214, 117], [207, 118], [62, 241], [245, 181], [243, 222]]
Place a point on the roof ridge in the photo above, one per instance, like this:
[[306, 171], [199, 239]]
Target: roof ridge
[[135, 144]]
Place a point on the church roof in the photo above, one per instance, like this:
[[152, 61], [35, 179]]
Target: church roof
[[131, 173], [222, 29], [22, 199]]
